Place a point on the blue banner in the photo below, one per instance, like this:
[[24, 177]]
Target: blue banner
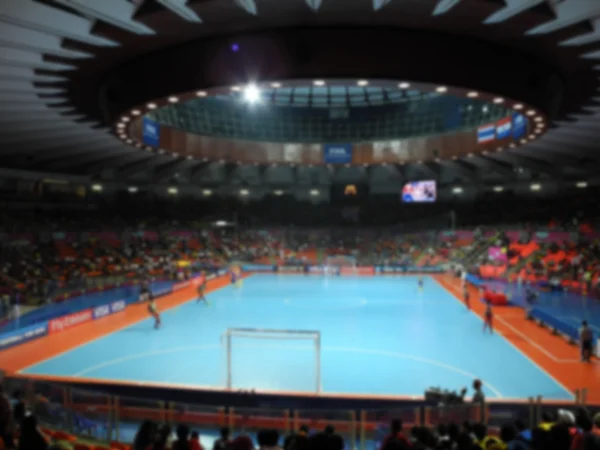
[[23, 335], [519, 125], [486, 133], [151, 132], [258, 268], [337, 153]]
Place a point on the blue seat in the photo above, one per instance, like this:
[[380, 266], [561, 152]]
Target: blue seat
[[556, 324]]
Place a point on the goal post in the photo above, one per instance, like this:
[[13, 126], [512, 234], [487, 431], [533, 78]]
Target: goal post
[[230, 335], [340, 265]]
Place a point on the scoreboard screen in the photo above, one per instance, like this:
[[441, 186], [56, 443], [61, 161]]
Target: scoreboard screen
[[419, 192]]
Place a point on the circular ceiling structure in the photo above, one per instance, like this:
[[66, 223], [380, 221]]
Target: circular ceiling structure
[[71, 70], [295, 121]]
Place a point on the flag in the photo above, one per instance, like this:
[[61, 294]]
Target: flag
[[486, 133], [503, 128], [519, 125]]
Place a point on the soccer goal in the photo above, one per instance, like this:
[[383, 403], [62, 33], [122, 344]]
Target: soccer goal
[[244, 348], [340, 265]]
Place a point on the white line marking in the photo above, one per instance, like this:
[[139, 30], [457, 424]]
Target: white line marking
[[396, 355], [511, 343]]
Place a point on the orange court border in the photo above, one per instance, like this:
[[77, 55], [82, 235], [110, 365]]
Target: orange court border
[[551, 353]]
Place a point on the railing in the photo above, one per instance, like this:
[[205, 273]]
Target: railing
[[106, 418]]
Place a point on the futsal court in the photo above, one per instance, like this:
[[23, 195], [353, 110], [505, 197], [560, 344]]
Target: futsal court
[[378, 335]]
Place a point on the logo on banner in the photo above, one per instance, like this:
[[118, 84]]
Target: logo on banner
[[23, 335], [151, 132], [65, 322], [101, 311], [337, 153], [503, 128], [486, 133], [182, 285], [117, 306], [519, 125]]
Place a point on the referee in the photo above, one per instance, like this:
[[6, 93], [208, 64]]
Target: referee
[[586, 338]]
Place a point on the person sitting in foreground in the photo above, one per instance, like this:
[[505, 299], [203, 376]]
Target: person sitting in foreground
[[31, 438], [195, 441]]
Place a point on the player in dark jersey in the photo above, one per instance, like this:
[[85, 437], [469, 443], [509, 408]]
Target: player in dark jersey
[[202, 289], [420, 284], [153, 310], [488, 318], [466, 297], [145, 291]]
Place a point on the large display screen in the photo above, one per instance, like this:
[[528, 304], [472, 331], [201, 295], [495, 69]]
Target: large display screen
[[419, 192]]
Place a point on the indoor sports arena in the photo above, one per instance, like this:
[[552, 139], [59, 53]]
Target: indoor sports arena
[[361, 225]]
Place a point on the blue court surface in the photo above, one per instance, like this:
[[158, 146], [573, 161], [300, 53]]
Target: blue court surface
[[379, 335]]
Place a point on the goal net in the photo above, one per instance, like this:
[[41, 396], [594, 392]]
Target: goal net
[[264, 359], [340, 265]]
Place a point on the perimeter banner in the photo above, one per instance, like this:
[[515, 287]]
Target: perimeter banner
[[23, 335], [151, 132], [337, 153], [66, 322]]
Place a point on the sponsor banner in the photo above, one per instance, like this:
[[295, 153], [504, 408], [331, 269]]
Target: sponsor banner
[[316, 269], [257, 268], [151, 132], [182, 285], [337, 153], [408, 269], [367, 270], [66, 322], [498, 254], [162, 292], [503, 128], [101, 311], [118, 306], [291, 269], [23, 335], [486, 133], [519, 126]]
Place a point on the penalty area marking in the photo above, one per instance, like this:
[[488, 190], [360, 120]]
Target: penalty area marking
[[390, 354]]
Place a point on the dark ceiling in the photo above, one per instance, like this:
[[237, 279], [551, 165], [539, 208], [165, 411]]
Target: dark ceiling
[[69, 68]]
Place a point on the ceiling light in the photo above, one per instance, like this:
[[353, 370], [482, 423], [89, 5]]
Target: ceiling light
[[484, 109], [129, 141], [532, 136], [207, 192], [581, 184], [523, 141], [244, 192], [540, 125], [123, 136], [314, 192], [531, 112], [499, 149], [201, 94], [173, 99], [518, 106], [275, 85], [97, 187], [319, 83], [172, 190], [442, 89], [535, 187], [278, 192], [498, 100], [498, 188], [512, 145], [470, 155], [125, 119], [538, 119], [538, 131], [362, 83], [132, 189], [135, 112], [151, 105], [236, 88], [252, 94], [457, 190], [473, 94], [404, 85], [120, 125]]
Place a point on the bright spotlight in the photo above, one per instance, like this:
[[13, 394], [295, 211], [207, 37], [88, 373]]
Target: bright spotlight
[[251, 94]]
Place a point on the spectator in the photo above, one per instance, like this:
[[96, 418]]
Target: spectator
[[145, 436], [195, 441], [182, 441], [31, 438], [509, 434], [6, 420], [586, 339], [290, 441], [241, 443], [327, 440], [395, 434], [223, 442], [268, 440], [19, 407]]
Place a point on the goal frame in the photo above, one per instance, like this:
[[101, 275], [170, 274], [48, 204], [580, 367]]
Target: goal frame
[[340, 262], [262, 333]]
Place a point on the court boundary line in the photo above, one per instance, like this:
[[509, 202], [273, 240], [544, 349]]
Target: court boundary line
[[109, 317], [457, 298], [391, 354]]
